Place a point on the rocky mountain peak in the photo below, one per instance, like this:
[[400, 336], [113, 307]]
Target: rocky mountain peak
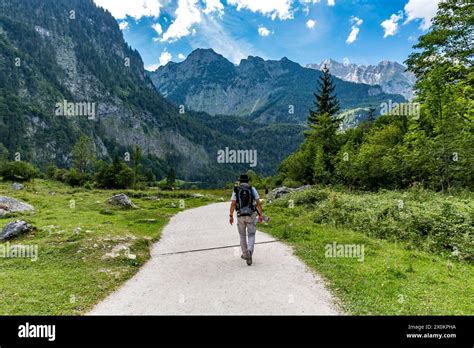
[[391, 76], [204, 55]]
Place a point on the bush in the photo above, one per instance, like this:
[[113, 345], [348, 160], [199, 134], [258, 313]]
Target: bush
[[425, 220], [59, 174], [75, 178], [19, 171], [116, 175]]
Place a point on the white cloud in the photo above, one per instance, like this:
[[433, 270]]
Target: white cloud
[[120, 9], [123, 25], [262, 31], [157, 27], [212, 34], [390, 26], [421, 9], [152, 67], [214, 6], [353, 35], [331, 2], [187, 14], [165, 58], [311, 24], [274, 8], [356, 22], [181, 56]]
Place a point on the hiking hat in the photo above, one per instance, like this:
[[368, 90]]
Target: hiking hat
[[244, 178]]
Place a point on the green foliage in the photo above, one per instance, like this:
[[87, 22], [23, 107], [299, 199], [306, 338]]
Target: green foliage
[[326, 101], [83, 154], [428, 141], [171, 178], [425, 220], [3, 154], [74, 177], [394, 278], [18, 171], [114, 175]]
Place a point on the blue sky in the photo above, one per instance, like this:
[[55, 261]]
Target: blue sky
[[305, 31]]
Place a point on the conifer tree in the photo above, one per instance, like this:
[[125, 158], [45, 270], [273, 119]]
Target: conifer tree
[[326, 101]]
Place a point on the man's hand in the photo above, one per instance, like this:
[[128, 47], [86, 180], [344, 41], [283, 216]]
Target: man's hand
[[231, 219]]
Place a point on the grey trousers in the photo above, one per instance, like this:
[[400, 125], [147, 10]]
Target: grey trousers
[[247, 225]]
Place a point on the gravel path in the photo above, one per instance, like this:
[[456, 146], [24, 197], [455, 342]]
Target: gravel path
[[196, 269]]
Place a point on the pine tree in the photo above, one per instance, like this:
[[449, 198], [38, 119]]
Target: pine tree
[[326, 101], [171, 178], [137, 160], [370, 118]]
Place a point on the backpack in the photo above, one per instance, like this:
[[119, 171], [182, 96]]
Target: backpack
[[245, 201]]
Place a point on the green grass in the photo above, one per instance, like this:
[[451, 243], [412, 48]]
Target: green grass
[[70, 275], [396, 276]]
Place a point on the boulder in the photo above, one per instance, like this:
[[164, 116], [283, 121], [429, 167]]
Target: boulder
[[14, 229], [281, 191], [197, 195], [12, 205], [121, 200], [16, 186]]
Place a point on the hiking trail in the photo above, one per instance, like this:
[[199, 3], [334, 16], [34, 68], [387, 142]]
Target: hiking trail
[[196, 268]]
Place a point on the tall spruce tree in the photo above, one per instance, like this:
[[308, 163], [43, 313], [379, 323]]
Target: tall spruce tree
[[326, 101]]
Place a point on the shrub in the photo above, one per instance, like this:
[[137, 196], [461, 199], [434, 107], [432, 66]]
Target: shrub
[[75, 178], [19, 171], [426, 220], [115, 175]]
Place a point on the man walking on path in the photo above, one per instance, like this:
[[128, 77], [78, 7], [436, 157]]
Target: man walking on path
[[246, 201]]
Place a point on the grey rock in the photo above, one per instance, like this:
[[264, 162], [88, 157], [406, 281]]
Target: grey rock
[[16, 186], [121, 200], [14, 229], [197, 195], [283, 190], [279, 192], [12, 205]]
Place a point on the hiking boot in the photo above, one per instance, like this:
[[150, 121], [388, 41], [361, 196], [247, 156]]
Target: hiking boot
[[243, 257], [249, 258]]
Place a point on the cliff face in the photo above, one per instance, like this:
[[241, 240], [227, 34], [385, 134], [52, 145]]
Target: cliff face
[[263, 91], [391, 76]]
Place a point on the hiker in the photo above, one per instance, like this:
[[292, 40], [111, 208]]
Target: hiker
[[246, 201]]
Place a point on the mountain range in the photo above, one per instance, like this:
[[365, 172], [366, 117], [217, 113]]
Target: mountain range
[[391, 76], [72, 53], [265, 91]]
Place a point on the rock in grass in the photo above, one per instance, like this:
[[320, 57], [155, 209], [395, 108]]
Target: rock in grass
[[14, 229], [16, 186], [197, 195], [281, 191], [12, 205], [121, 200]]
